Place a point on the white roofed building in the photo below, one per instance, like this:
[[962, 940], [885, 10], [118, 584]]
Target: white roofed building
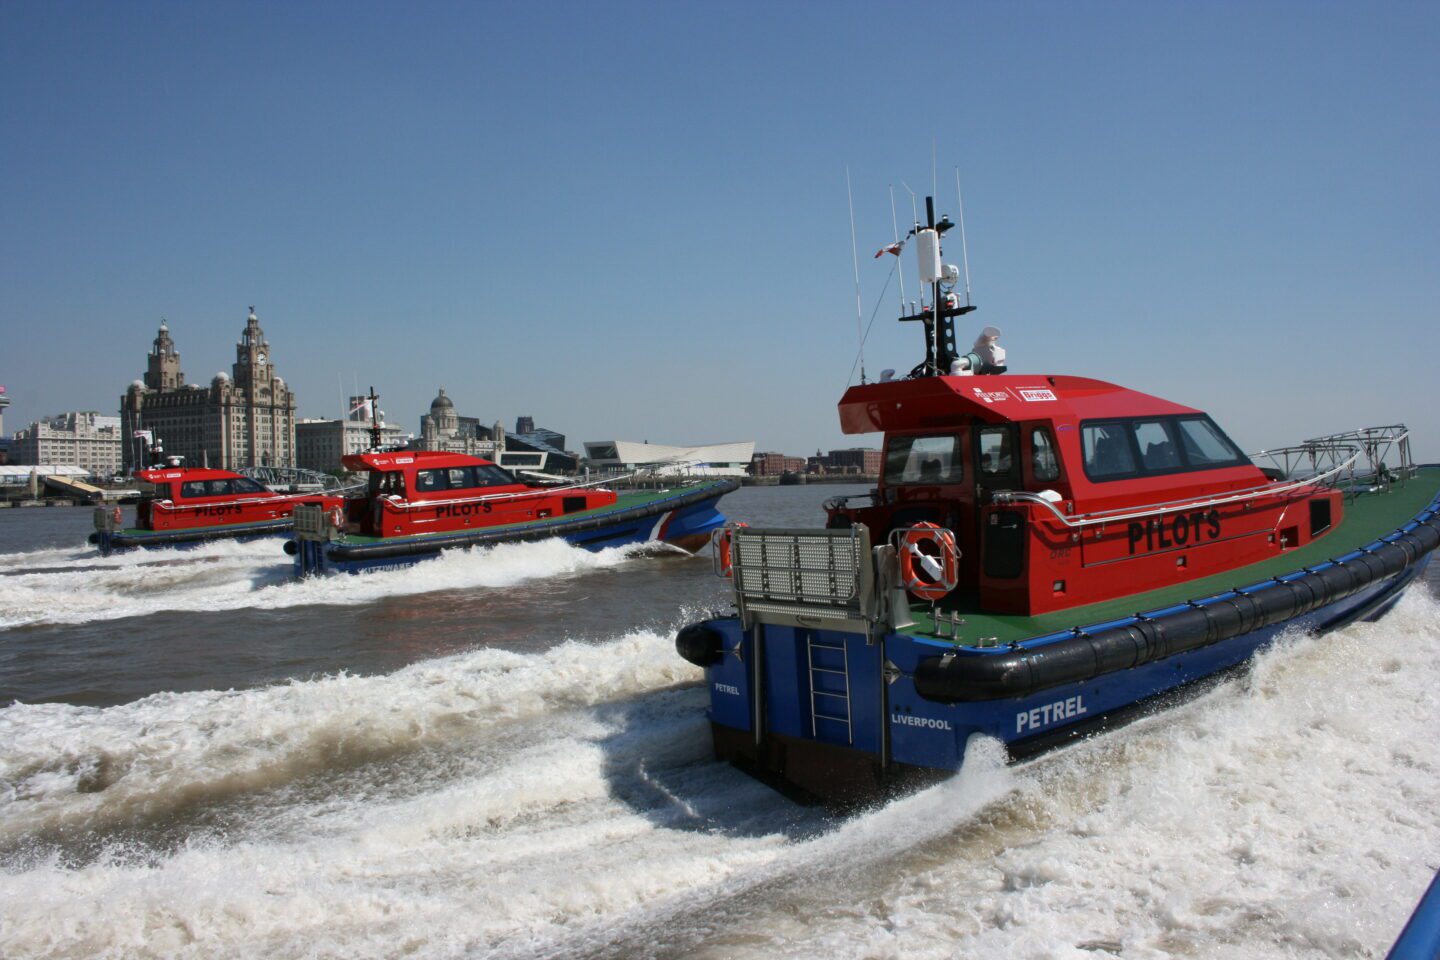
[[705, 460]]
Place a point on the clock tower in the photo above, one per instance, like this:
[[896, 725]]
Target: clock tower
[[260, 409]]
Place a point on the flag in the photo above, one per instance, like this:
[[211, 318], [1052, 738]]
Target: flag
[[894, 248], [147, 435], [362, 405]]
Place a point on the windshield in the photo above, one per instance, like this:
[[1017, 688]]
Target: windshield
[[929, 460]]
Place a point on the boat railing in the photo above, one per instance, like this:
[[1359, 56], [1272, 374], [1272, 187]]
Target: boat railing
[[1386, 449], [1100, 517]]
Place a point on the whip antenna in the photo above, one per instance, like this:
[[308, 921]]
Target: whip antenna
[[964, 251], [895, 226], [855, 259]]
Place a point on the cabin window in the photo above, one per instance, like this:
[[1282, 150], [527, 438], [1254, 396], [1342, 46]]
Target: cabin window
[[204, 488], [1107, 450], [384, 483], [996, 457], [1158, 453], [490, 475], [458, 478], [927, 460], [1153, 446], [1205, 445], [1043, 461], [245, 485], [429, 481]]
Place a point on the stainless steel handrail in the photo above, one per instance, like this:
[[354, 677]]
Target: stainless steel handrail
[[1172, 506]]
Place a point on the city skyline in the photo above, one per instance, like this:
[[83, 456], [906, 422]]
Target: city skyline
[[649, 235]]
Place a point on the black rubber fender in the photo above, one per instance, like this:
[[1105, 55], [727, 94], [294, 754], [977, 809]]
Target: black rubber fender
[[959, 677], [700, 644]]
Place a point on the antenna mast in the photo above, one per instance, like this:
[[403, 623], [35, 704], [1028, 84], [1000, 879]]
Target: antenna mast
[[855, 260], [374, 420]]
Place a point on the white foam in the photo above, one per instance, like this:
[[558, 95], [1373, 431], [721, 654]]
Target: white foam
[[566, 803], [226, 575]]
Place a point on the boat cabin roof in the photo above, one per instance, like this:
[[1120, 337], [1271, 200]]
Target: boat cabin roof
[[166, 474], [928, 402], [402, 460]]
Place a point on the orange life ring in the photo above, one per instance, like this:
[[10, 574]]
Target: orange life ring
[[117, 515], [722, 540], [337, 519], [928, 541]]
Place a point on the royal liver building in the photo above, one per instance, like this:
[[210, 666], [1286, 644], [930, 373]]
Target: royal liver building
[[245, 418]]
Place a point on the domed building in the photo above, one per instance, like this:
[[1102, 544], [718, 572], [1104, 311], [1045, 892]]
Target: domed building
[[242, 419], [443, 429]]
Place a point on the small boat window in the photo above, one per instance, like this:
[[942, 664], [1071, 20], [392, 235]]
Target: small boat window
[[428, 481], [384, 483], [1043, 461], [1157, 449], [245, 485], [935, 459], [996, 457], [1205, 445], [1107, 450], [205, 488]]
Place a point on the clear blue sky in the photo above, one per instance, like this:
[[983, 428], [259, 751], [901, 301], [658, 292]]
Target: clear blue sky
[[630, 220]]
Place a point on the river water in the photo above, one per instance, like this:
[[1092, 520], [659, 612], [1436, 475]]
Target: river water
[[499, 754]]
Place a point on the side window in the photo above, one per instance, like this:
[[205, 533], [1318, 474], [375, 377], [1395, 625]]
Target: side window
[[1158, 452], [193, 488], [428, 481], [218, 488], [996, 457], [1107, 450], [459, 478], [245, 485], [492, 476], [1043, 460], [1204, 444]]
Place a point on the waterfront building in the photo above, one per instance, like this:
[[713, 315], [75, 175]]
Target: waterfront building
[[772, 464], [708, 460], [320, 444], [444, 429], [854, 460], [86, 440], [526, 425], [243, 419]]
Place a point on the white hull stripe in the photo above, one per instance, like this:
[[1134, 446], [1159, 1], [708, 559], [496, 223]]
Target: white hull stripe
[[659, 524]]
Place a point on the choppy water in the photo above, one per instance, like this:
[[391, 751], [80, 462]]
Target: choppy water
[[499, 754]]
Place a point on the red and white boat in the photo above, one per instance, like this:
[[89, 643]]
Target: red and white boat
[[187, 505]]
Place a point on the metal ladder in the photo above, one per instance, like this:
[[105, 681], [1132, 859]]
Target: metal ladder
[[834, 701]]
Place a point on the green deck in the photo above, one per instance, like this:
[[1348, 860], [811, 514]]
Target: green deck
[[635, 498], [1367, 517]]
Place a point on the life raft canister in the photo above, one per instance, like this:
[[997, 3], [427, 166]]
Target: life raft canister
[[724, 566], [929, 561]]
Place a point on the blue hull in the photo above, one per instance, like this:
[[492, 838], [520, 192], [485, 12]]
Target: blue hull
[[686, 516], [838, 715], [119, 541]]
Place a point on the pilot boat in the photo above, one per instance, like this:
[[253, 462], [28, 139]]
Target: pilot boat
[[1042, 555], [418, 503], [187, 506]]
